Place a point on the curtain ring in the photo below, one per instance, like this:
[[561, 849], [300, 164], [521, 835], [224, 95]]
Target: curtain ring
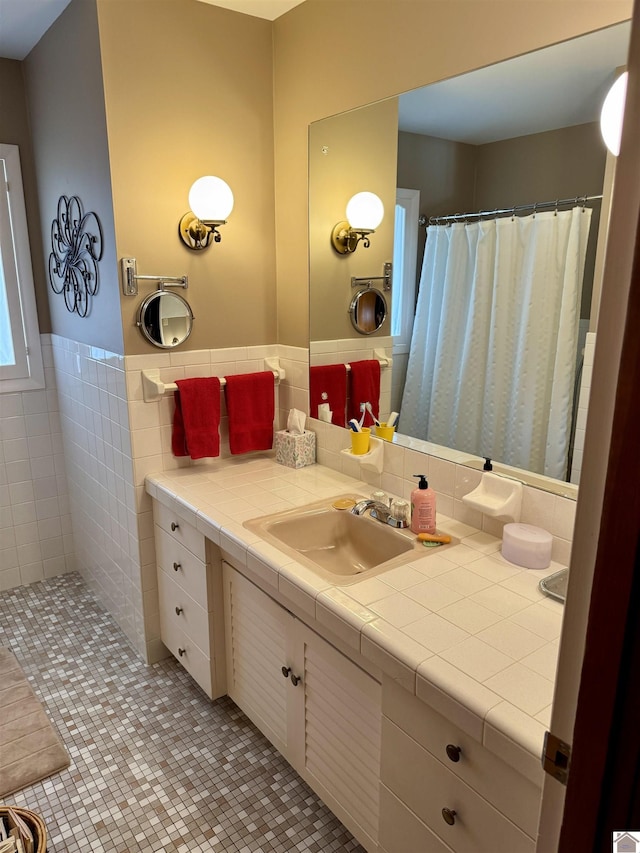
[[513, 213], [556, 210], [535, 209]]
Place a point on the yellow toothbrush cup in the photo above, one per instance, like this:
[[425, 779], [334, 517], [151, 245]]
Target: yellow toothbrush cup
[[360, 441], [384, 431]]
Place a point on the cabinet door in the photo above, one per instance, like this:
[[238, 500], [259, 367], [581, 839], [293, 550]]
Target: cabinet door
[[342, 721], [258, 644]]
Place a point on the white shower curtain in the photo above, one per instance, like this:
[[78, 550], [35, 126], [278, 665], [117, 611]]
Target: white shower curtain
[[492, 360]]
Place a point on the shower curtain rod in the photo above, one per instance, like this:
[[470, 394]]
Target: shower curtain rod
[[436, 220]]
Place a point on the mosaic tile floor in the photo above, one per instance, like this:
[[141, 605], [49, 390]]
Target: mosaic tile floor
[[155, 766]]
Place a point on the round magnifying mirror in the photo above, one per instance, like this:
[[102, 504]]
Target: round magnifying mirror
[[368, 310], [165, 319]]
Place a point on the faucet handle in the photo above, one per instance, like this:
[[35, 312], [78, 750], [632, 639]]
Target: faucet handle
[[400, 510]]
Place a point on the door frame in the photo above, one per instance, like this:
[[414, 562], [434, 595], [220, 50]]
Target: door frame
[[596, 696]]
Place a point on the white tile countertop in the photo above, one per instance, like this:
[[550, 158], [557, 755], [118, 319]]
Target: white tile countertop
[[466, 631]]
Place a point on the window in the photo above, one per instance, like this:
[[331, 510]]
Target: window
[[20, 354], [405, 251]]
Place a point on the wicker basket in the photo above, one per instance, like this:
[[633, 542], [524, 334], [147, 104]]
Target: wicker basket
[[35, 824]]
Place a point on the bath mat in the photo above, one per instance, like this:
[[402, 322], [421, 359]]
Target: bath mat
[[30, 749]]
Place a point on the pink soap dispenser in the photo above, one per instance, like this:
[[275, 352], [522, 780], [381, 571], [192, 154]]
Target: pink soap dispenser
[[423, 507]]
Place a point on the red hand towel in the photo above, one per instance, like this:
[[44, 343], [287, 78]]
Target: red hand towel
[[251, 409], [365, 387], [328, 384], [196, 418]]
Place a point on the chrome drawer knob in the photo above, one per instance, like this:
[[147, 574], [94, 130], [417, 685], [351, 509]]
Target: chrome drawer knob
[[449, 816], [177, 566], [174, 526], [453, 752], [179, 610], [182, 652]]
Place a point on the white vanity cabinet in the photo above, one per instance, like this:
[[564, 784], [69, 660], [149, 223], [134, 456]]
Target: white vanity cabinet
[[320, 710], [442, 790], [190, 598]]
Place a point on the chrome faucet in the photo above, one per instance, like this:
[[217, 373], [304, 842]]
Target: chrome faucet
[[379, 511]]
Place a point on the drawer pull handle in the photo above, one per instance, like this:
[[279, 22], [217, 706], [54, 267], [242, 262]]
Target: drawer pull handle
[[179, 610], [286, 671], [453, 752], [184, 651], [449, 816], [177, 566], [174, 526]]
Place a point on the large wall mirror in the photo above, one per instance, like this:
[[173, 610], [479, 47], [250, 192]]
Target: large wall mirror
[[490, 316]]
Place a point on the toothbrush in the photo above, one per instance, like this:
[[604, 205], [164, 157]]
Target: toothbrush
[[361, 421], [393, 419], [354, 425], [369, 408]]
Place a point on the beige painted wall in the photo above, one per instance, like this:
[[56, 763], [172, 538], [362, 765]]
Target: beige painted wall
[[443, 170], [66, 104], [14, 124], [541, 166], [348, 154], [188, 90], [331, 57]]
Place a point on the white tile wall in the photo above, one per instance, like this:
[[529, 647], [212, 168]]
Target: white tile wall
[[35, 524], [97, 443]]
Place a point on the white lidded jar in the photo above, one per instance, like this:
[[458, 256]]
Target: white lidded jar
[[423, 507]]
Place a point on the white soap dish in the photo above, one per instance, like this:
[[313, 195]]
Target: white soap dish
[[497, 497]]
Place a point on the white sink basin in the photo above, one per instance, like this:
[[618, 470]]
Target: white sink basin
[[337, 544]]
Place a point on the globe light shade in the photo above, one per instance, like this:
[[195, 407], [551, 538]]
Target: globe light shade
[[613, 113], [211, 199], [365, 211]]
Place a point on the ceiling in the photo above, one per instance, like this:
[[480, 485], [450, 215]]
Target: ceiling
[[556, 87], [24, 22], [269, 9], [559, 86]]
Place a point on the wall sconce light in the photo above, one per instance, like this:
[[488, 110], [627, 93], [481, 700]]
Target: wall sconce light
[[211, 202], [364, 214], [613, 113]]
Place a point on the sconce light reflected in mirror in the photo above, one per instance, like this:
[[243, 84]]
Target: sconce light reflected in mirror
[[613, 113], [364, 213], [211, 202]]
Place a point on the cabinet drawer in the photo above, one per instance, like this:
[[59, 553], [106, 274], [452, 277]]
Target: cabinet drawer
[[197, 664], [427, 787], [183, 532], [179, 609], [510, 792], [187, 570], [402, 832]]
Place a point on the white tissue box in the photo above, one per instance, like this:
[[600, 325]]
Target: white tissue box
[[295, 451]]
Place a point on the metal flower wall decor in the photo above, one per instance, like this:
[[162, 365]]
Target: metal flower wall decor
[[76, 248]]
